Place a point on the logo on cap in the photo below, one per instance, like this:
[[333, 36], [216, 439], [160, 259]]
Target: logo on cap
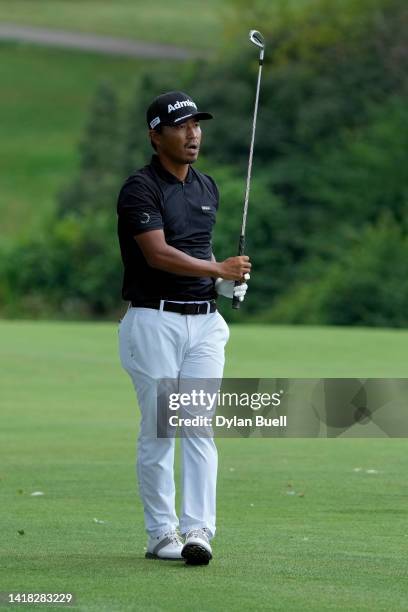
[[154, 122], [178, 104]]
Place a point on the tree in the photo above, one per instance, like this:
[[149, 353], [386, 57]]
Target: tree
[[101, 157]]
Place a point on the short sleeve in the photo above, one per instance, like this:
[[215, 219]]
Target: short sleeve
[[139, 207]]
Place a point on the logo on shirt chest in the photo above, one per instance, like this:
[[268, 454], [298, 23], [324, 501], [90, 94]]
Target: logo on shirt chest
[[205, 208]]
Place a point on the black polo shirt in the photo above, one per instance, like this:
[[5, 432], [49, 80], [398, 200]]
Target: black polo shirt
[[153, 198]]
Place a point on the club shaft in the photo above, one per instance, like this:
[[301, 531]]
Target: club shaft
[[241, 247], [251, 150]]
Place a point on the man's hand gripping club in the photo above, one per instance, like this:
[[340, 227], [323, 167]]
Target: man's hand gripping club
[[233, 269]]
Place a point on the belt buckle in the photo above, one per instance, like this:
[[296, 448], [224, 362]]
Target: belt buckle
[[192, 309]]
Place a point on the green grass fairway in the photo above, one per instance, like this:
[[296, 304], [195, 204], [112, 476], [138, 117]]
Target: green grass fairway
[[190, 23], [68, 429]]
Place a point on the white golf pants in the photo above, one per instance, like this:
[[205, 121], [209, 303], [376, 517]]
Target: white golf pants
[[156, 344]]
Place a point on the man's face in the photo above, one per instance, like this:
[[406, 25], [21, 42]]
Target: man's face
[[179, 143]]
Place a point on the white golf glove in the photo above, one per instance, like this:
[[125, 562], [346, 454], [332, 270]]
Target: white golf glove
[[228, 289]]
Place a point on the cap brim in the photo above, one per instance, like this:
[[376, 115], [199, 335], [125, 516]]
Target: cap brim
[[203, 116]]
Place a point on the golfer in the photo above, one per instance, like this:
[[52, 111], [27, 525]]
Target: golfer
[[172, 329]]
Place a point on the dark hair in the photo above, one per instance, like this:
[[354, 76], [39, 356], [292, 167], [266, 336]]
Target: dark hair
[[159, 130]]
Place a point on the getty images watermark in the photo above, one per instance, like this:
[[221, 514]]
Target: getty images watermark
[[202, 400], [288, 407]]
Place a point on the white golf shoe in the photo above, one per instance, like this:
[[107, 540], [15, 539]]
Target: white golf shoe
[[167, 547], [197, 549]]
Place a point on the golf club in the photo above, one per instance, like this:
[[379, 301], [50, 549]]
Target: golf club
[[257, 39]]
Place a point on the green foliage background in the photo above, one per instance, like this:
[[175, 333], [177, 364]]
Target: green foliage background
[[327, 231]]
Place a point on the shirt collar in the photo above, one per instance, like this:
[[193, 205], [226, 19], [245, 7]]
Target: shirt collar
[[166, 175]]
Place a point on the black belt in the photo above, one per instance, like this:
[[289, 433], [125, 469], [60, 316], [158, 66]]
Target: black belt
[[187, 308]]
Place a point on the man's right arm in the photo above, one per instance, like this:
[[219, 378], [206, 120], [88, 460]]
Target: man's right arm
[[161, 255]]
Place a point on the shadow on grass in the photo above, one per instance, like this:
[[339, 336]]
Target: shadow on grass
[[114, 565]]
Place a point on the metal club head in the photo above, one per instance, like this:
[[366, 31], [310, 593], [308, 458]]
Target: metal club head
[[257, 39]]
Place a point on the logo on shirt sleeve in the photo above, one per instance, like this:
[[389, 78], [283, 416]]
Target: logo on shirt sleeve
[[144, 218], [205, 208]]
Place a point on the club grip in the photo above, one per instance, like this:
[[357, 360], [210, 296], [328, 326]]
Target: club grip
[[235, 301], [236, 304]]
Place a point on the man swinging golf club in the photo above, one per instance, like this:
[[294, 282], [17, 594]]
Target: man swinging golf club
[[172, 329]]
